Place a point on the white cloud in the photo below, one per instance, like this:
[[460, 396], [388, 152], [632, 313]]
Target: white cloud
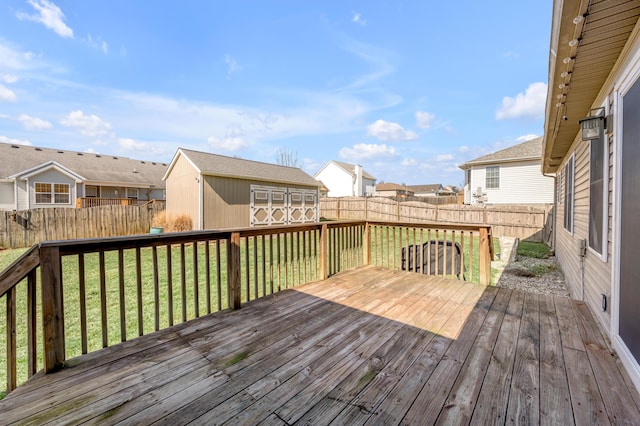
[[7, 94], [409, 162], [424, 119], [33, 123], [358, 19], [528, 104], [13, 59], [97, 44], [364, 151], [48, 15], [232, 141], [14, 141], [526, 137], [132, 145], [8, 78], [232, 65], [463, 149], [389, 131], [89, 125], [444, 157]]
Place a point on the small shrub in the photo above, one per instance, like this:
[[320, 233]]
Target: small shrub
[[159, 220]]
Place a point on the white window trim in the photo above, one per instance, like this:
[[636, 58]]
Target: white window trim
[[605, 201], [52, 193], [486, 177], [572, 159]]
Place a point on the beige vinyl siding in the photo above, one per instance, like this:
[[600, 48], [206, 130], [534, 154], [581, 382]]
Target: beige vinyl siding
[[183, 189], [7, 196], [588, 284], [227, 201]]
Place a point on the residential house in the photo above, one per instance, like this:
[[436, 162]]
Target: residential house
[[216, 191], [594, 71], [509, 176], [346, 180], [33, 177], [393, 190], [432, 190]]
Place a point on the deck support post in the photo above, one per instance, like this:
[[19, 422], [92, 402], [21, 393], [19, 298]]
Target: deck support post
[[233, 271], [366, 245], [52, 309], [485, 256], [323, 251]]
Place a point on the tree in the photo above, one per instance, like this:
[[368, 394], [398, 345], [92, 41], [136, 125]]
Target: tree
[[285, 157]]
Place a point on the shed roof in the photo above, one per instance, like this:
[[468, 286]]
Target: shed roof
[[18, 159], [434, 187], [392, 187], [221, 165], [529, 150]]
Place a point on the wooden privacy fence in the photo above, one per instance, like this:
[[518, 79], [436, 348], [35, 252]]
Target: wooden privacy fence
[[28, 227], [530, 222], [95, 293]]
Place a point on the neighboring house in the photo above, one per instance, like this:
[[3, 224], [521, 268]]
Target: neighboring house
[[508, 176], [33, 177], [432, 190], [594, 64], [217, 192], [346, 180], [393, 190]]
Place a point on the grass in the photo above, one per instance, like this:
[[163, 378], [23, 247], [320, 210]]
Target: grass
[[535, 250]]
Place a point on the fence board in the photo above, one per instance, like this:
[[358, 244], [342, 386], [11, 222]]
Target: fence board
[[28, 227], [530, 222]]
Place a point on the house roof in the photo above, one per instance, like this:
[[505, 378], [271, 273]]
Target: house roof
[[392, 187], [220, 165], [434, 187], [349, 168], [578, 70], [529, 150], [18, 160]]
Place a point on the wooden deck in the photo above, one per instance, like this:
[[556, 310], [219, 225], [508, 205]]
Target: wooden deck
[[367, 346]]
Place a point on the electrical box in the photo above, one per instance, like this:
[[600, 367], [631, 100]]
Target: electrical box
[[582, 247]]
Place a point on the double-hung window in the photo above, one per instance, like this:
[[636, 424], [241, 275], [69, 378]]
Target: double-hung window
[[52, 193], [598, 193], [492, 177]]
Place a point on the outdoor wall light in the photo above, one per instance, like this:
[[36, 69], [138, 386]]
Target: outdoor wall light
[[593, 125]]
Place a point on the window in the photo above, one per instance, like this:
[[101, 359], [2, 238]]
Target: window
[[568, 194], [91, 191], [468, 177], [492, 177], [52, 193], [132, 193], [597, 195]]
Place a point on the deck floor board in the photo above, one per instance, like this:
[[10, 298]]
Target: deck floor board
[[367, 346]]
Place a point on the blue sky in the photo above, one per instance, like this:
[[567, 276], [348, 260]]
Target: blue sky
[[408, 89]]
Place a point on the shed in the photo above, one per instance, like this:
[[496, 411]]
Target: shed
[[217, 191]]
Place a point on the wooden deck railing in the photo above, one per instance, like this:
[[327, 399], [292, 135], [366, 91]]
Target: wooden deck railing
[[99, 292], [84, 202]]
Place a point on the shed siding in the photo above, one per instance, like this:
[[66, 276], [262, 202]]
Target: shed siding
[[589, 278], [227, 201], [182, 186], [520, 183]]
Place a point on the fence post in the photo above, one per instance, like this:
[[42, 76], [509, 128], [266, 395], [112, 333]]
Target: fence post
[[485, 256], [233, 271], [323, 251], [52, 309], [366, 245]]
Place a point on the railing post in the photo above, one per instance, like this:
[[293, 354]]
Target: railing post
[[52, 309], [233, 271], [485, 256], [323, 251], [366, 245]]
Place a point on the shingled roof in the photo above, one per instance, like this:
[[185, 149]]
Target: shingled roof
[[91, 167], [220, 165], [529, 150]]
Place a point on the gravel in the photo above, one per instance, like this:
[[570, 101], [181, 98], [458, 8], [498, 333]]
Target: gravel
[[542, 276]]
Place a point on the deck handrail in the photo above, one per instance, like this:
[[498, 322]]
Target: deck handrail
[[195, 273]]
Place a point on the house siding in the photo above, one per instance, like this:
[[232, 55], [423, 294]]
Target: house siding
[[183, 187], [338, 182], [587, 278], [520, 183], [7, 196], [51, 176]]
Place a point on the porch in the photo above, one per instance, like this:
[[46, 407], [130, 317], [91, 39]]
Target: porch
[[368, 345]]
